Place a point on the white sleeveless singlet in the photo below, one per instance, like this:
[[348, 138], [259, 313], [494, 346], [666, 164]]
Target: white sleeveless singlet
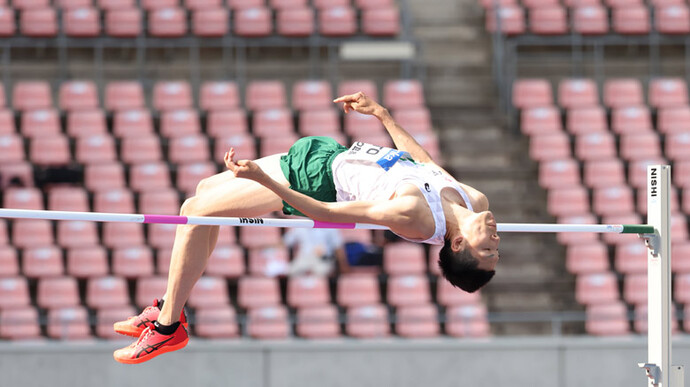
[[371, 172]]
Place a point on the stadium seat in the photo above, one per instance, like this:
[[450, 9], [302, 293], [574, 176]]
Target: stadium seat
[[250, 238], [417, 321], [87, 262], [577, 238], [555, 146], [20, 171], [20, 323], [642, 200], [467, 321], [323, 4], [567, 201], [23, 198], [272, 145], [265, 94], [124, 95], [253, 292], [318, 322], [596, 288], [190, 174], [679, 227], [123, 23], [132, 123], [106, 317], [595, 146], [28, 233], [512, 20], [357, 290], [11, 148], [9, 263], [161, 235], [50, 150], [226, 236], [635, 288], [637, 171], [640, 146], [208, 292], [672, 19], [149, 176], [591, 19], [172, 95], [269, 260], [84, 22], [678, 146], [604, 173], [280, 5], [132, 262], [686, 201], [414, 120], [640, 323], [78, 95], [76, 233], [408, 290], [295, 22], [631, 19], [623, 92], [681, 173], [6, 119], [404, 258], [384, 21], [96, 148], [188, 149], [585, 120], [237, 5], [273, 122], [253, 22], [163, 257], [14, 293], [577, 93], [152, 5], [31, 95], [224, 123], [179, 123], [105, 292], [86, 122], [340, 21], [216, 322], [368, 87], [613, 200], [219, 96], [70, 323], [403, 94], [268, 322], [673, 120], [367, 321], [149, 288], [245, 146], [307, 291], [631, 120], [108, 5], [167, 23], [680, 258], [4, 237], [448, 295], [356, 125], [226, 261], [68, 198], [325, 122], [106, 176], [8, 26], [312, 95], [587, 258], [211, 22], [123, 235], [559, 173], [668, 92], [57, 292], [140, 149], [540, 120], [609, 319], [548, 19], [114, 200], [39, 23], [40, 122]]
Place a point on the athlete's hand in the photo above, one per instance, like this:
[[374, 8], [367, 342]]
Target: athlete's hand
[[243, 168], [359, 103]]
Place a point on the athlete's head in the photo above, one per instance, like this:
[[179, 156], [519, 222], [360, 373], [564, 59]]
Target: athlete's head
[[468, 259]]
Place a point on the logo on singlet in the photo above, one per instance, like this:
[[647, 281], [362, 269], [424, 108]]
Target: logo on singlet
[[427, 187]]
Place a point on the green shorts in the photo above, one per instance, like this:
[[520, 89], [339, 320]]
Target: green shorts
[[307, 166]]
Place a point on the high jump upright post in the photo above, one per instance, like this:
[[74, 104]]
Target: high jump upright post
[[660, 372]]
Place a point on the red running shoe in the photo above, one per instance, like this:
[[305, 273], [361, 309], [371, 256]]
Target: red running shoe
[[134, 325], [151, 344]]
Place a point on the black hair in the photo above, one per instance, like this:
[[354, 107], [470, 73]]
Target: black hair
[[460, 269]]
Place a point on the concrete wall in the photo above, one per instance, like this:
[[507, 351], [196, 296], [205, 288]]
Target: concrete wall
[[510, 362]]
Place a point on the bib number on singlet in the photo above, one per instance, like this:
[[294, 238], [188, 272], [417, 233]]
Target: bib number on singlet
[[383, 156]]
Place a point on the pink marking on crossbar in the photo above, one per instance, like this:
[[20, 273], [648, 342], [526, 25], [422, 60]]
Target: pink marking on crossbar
[[318, 224], [166, 219]]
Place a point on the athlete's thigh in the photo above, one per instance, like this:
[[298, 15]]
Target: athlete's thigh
[[269, 164]]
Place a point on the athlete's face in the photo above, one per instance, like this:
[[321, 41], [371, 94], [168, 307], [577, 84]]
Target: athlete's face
[[482, 239]]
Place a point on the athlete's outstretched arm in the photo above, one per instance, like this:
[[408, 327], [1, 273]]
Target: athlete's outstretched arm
[[361, 103]]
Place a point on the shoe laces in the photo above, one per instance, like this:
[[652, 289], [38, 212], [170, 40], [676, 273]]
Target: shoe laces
[[144, 335]]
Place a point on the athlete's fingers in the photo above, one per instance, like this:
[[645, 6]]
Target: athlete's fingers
[[346, 98]]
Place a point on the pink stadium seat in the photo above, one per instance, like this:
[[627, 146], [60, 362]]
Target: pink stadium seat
[[324, 4], [237, 5], [108, 5], [254, 292], [273, 145], [312, 95], [368, 87], [448, 295], [28, 233], [190, 174], [373, 4], [357, 290], [123, 234], [417, 321], [384, 21], [668, 92], [567, 201], [467, 321], [23, 198], [610, 319], [161, 235], [226, 261], [250, 238], [613, 200], [253, 22], [87, 262], [681, 288], [132, 123], [540, 120], [270, 260], [7, 23], [57, 292], [265, 94], [19, 323], [672, 19], [40, 122], [577, 93], [50, 150], [70, 323], [616, 239], [160, 202], [548, 20], [86, 122], [430, 142], [590, 19], [295, 22], [6, 120], [11, 148], [114, 200], [106, 317], [631, 19], [105, 292], [631, 258], [596, 288], [216, 322], [211, 22], [124, 95], [640, 323], [678, 146], [673, 120], [339, 21], [319, 122], [172, 95], [555, 146], [227, 236], [67, 198], [78, 95], [595, 146], [367, 321], [679, 227], [96, 148], [587, 258], [245, 146], [641, 146], [163, 257], [631, 120], [148, 289], [14, 292], [307, 291], [356, 124], [577, 238], [512, 20], [9, 263], [414, 120], [152, 5], [196, 5], [149, 176], [83, 22], [123, 23], [604, 173], [219, 96], [227, 123], [141, 149], [585, 120], [209, 291], [635, 288], [39, 22], [270, 322], [404, 258], [623, 92], [76, 233], [408, 290], [178, 123], [686, 201], [559, 173], [106, 176], [280, 5], [21, 170], [132, 262], [403, 94], [4, 239], [318, 322], [681, 173], [188, 149], [681, 258], [167, 22], [637, 171], [31, 95], [533, 4]]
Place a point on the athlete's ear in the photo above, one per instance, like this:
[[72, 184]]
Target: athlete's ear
[[456, 242]]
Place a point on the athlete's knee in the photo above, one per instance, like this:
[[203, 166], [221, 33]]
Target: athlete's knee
[[190, 207], [203, 185]]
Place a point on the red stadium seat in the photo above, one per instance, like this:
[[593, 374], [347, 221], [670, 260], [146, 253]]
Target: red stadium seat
[[149, 288], [357, 124], [190, 174], [211, 22], [265, 94], [6, 120], [14, 292], [384, 21], [4, 239], [124, 95], [216, 322], [673, 120], [637, 171], [686, 201], [21, 171], [79, 95], [254, 292], [577, 93], [679, 227], [555, 146], [339, 21], [533, 4], [178, 123], [23, 198], [149, 176], [7, 25], [404, 258], [9, 263], [167, 22], [403, 94], [31, 95], [610, 319], [227, 123], [270, 322], [250, 238], [678, 146], [70, 323], [208, 292], [641, 146], [50, 150], [668, 92], [307, 291], [11, 148], [245, 146], [76, 233], [631, 19], [408, 290], [512, 20], [114, 200], [86, 122], [448, 295], [681, 173], [226, 261], [540, 120], [189, 149], [417, 321], [357, 290], [559, 173], [81, 22], [141, 149], [681, 258], [590, 19], [108, 5], [295, 22], [635, 288], [132, 123], [19, 323], [595, 146], [160, 202], [196, 5], [123, 235], [123, 23], [57, 292], [367, 87], [132, 262], [568, 201], [87, 262], [107, 176], [587, 258], [548, 20], [96, 148], [596, 288], [253, 22], [39, 22], [106, 317], [613, 200], [367, 321], [631, 120], [237, 5], [105, 292], [323, 4], [28, 233], [604, 173], [672, 19], [269, 261], [152, 5], [39, 123], [577, 238], [161, 235], [585, 120], [318, 322], [172, 95], [272, 145], [219, 96], [280, 5], [623, 92], [467, 321], [312, 95], [414, 120], [319, 122], [66, 198]]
